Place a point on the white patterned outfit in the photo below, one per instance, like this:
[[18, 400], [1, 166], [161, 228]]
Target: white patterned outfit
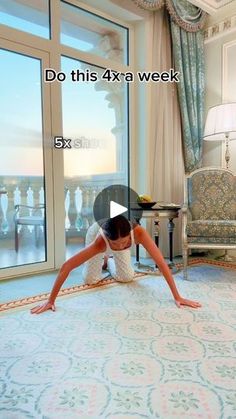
[[119, 266]]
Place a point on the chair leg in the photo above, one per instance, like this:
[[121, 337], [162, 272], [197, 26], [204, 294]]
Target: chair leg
[[185, 261], [16, 238], [37, 235]]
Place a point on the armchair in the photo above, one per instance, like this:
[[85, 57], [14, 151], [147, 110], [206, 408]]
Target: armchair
[[35, 217], [209, 211]]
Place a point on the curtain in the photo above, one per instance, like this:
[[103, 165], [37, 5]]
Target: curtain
[[189, 61], [186, 21], [166, 157], [189, 17]]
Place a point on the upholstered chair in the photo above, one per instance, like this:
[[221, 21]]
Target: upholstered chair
[[209, 211]]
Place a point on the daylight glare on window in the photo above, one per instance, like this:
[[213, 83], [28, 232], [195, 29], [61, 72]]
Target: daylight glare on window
[[21, 142], [89, 117]]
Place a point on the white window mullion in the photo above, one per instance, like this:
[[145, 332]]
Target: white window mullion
[[24, 38], [56, 121]]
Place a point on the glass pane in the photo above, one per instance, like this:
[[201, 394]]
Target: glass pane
[[95, 119], [88, 32], [31, 16], [22, 212]]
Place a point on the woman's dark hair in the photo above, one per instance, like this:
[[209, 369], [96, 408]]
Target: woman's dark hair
[[116, 227]]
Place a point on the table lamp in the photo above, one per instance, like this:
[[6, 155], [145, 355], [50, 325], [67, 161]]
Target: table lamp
[[221, 126]]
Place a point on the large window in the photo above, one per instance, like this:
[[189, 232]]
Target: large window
[[63, 184]]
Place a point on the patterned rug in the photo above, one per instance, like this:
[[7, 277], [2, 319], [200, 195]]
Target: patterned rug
[[124, 351], [20, 302]]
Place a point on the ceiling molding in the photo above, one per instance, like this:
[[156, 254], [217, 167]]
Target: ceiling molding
[[211, 6], [219, 29]]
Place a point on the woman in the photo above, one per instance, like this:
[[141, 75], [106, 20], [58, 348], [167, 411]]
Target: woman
[[115, 237]]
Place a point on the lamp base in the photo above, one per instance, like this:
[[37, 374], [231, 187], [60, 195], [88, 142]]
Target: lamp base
[[227, 155]]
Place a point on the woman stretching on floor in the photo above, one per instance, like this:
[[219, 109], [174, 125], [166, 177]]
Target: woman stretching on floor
[[115, 237]]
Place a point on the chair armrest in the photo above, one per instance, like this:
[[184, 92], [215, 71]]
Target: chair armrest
[[34, 209], [18, 206], [186, 213], [40, 206], [30, 206], [184, 209]]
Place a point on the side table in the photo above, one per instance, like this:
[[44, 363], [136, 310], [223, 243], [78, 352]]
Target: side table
[[165, 211]]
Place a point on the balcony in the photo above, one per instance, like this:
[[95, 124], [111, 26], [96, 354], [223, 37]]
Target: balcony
[[80, 194]]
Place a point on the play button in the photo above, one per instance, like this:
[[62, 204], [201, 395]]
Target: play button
[[116, 209], [116, 200]]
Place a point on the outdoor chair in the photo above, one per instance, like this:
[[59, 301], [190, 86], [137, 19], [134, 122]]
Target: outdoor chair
[[26, 215]]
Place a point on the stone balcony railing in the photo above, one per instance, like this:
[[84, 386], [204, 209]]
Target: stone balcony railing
[[80, 194]]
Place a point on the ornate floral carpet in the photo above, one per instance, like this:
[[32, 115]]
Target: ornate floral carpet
[[124, 352]]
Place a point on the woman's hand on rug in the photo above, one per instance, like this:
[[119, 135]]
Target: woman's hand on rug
[[184, 302], [44, 307]]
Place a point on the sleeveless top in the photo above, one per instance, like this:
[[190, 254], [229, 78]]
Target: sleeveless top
[[107, 242], [124, 271]]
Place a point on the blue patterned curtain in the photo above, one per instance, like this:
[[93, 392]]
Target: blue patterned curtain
[[186, 21], [189, 61], [188, 52]]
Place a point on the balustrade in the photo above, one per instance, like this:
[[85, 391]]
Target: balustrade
[[80, 194]]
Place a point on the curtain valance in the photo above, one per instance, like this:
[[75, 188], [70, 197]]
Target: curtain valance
[[189, 17]]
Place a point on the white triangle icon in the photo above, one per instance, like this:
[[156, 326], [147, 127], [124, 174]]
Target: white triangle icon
[[116, 209]]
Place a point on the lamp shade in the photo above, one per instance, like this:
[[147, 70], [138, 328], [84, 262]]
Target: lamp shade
[[221, 119]]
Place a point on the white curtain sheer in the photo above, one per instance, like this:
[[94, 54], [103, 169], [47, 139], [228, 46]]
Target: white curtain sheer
[[166, 163]]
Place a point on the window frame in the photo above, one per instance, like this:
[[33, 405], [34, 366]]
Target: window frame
[[49, 263], [54, 50]]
